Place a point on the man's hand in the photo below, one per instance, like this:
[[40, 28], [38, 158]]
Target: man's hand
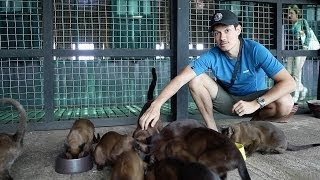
[[151, 115], [243, 107], [212, 125]]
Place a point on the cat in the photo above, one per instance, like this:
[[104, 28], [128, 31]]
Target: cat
[[210, 148], [172, 130], [11, 146], [176, 169], [110, 146], [128, 166], [80, 139], [140, 135], [261, 136]]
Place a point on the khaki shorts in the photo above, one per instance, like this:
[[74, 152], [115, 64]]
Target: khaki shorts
[[224, 101]]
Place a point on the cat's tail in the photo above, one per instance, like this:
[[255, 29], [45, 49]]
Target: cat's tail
[[18, 136], [242, 169], [291, 147], [152, 84]]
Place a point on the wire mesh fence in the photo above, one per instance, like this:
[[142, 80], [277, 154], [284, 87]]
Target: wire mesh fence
[[115, 86], [106, 83]]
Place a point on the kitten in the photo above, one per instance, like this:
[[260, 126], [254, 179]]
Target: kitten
[[111, 145], [80, 139], [175, 129], [128, 166], [261, 136], [176, 169], [11, 146], [143, 136], [210, 148]]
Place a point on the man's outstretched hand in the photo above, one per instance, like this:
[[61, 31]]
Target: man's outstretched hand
[[151, 115]]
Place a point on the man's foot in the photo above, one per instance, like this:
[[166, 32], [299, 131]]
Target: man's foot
[[283, 119], [286, 118]]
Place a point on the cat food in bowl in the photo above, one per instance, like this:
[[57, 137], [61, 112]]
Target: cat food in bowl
[[314, 106], [72, 166], [241, 149]]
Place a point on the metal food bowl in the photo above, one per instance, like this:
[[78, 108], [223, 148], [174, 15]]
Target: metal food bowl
[[72, 166], [241, 149], [314, 106]]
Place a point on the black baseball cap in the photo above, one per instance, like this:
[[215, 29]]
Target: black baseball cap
[[225, 17]]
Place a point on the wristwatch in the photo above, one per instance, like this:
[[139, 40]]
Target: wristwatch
[[261, 102]]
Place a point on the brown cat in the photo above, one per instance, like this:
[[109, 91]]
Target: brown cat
[[210, 148], [128, 166], [261, 136], [172, 130], [11, 146], [176, 169], [111, 145], [80, 139], [140, 135]]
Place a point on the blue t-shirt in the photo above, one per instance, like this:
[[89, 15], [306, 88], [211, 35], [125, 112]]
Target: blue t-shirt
[[256, 63]]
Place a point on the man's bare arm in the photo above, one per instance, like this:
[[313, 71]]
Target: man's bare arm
[[152, 114], [284, 84]]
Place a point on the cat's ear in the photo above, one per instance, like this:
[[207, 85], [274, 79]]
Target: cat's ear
[[223, 129], [228, 131], [66, 146], [97, 138], [82, 146]]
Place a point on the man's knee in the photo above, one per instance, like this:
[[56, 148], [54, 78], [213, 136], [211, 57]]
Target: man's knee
[[203, 85], [196, 82], [193, 83], [285, 105]]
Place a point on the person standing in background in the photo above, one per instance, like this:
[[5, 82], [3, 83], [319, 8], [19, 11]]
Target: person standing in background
[[294, 65]]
